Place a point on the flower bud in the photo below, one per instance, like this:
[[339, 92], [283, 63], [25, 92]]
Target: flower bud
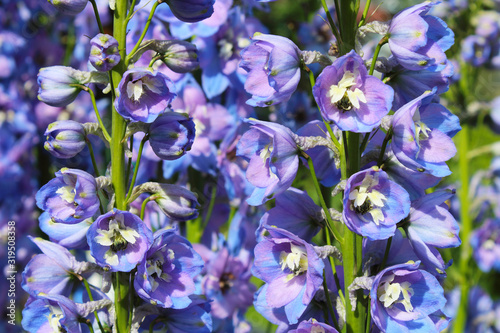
[[181, 57], [57, 84], [69, 7], [191, 10], [177, 202], [171, 135], [65, 138], [104, 53]]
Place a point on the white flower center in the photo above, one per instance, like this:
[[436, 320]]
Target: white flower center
[[154, 268], [390, 293], [342, 94], [265, 153], [67, 193], [135, 90], [295, 261], [117, 237], [367, 200], [54, 317]]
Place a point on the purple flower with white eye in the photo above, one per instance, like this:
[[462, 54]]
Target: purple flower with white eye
[[165, 275], [104, 53], [273, 159], [422, 134], [313, 326], [119, 240], [171, 135], [71, 197], [373, 204], [418, 40], [404, 297], [273, 66], [296, 212], [191, 10], [348, 96], [71, 236], [65, 138], [143, 94], [486, 244], [292, 270]]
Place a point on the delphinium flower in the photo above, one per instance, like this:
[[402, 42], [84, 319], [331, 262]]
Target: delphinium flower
[[296, 212], [475, 50], [65, 138], [71, 236], [226, 281], [191, 10], [486, 244], [69, 7], [171, 135], [71, 197], [348, 96], [273, 66], [418, 40], [422, 134], [104, 53], [165, 275], [273, 159], [373, 204], [119, 240], [403, 297], [143, 94], [292, 270], [59, 84]]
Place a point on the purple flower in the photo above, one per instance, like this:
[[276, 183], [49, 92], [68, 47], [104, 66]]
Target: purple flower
[[65, 138], [313, 325], [177, 202], [71, 236], [71, 197], [104, 53], [373, 204], [348, 96], [422, 136], [476, 50], [296, 212], [171, 135], [191, 10], [69, 7], [418, 40], [227, 282], [292, 270], [486, 244], [57, 84], [403, 298], [119, 240], [165, 275], [180, 56], [273, 66], [273, 159], [143, 94]]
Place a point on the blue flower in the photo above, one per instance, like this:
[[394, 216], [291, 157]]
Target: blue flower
[[373, 204], [71, 197], [273, 66], [403, 297], [104, 53], [65, 138], [171, 135], [165, 275], [119, 240]]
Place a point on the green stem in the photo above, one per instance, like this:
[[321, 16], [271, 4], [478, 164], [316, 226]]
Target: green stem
[[136, 168], [97, 114], [143, 206], [330, 20], [330, 225], [466, 228], [381, 43], [388, 137], [91, 298], [386, 254], [144, 31], [347, 20], [122, 280], [92, 157], [97, 16], [91, 329], [329, 303], [365, 13]]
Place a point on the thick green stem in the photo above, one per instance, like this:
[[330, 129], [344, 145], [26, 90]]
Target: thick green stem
[[122, 280], [347, 20], [466, 228]]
